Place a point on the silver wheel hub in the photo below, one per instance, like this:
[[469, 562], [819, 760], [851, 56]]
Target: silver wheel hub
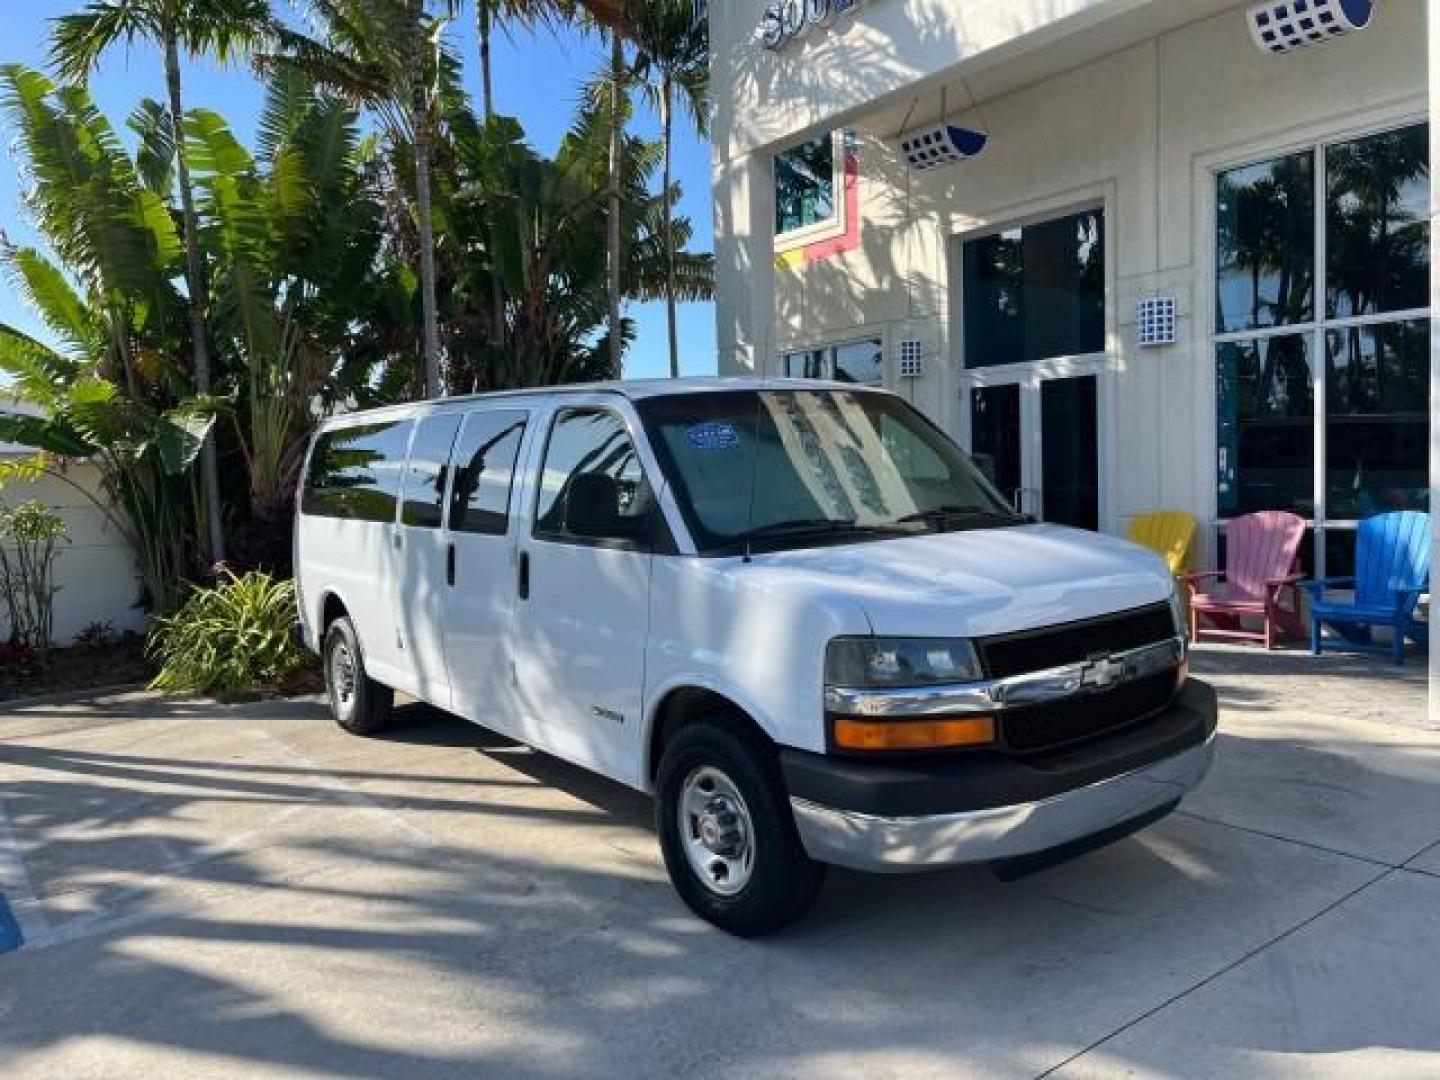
[[716, 831], [342, 677]]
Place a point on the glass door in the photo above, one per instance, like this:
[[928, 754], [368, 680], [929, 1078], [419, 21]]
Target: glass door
[[1038, 440]]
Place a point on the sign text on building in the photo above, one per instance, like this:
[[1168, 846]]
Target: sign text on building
[[786, 20]]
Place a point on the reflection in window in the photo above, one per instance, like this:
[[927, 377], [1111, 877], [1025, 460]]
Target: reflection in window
[[859, 362], [1377, 428], [1265, 417], [1265, 237], [485, 462], [1377, 236], [805, 185], [425, 474], [355, 472], [590, 458], [1035, 292]]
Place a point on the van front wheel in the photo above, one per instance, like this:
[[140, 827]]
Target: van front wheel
[[727, 833], [359, 704]]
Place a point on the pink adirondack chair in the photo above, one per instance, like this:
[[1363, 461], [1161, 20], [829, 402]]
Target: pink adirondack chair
[[1260, 554]]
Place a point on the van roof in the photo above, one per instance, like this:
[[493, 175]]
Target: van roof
[[633, 389]]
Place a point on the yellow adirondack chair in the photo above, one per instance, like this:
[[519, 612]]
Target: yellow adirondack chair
[[1168, 533]]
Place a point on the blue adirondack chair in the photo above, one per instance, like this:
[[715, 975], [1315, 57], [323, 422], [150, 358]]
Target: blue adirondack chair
[[1392, 569]]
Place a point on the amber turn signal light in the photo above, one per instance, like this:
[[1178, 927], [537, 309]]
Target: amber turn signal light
[[853, 734]]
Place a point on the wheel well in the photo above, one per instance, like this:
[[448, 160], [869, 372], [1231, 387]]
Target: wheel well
[[334, 608], [685, 705]]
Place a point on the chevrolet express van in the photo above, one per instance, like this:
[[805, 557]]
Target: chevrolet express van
[[793, 611]]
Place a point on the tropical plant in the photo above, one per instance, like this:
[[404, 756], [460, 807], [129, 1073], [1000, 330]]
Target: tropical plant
[[545, 231], [29, 534], [391, 56], [200, 27], [673, 67], [295, 238], [231, 639], [106, 391]]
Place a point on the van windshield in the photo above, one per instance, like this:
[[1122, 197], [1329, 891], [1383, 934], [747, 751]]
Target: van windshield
[[770, 469]]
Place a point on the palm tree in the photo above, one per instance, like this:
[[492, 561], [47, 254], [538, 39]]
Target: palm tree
[[490, 14], [618, 80], [673, 44], [218, 27], [391, 56], [102, 390]]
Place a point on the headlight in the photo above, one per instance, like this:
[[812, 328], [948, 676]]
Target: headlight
[[885, 663]]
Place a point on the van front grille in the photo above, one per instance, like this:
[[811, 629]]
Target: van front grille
[[1069, 720], [1007, 655]]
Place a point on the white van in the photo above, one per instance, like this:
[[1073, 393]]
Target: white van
[[793, 611]]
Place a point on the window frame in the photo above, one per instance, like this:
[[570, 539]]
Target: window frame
[[361, 420], [1315, 141], [827, 228], [829, 351], [661, 539], [522, 417]]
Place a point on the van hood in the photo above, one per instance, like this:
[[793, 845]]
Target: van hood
[[980, 582]]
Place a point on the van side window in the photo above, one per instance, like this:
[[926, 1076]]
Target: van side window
[[592, 486], [355, 472], [484, 460], [426, 471]]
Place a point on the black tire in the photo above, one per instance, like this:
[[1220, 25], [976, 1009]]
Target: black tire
[[363, 706], [783, 881]]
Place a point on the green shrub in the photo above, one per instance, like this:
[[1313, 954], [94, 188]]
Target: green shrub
[[228, 640], [29, 532]]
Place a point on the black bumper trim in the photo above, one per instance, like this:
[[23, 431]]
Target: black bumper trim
[[984, 780]]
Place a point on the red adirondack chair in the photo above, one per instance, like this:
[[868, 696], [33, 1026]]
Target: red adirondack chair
[[1260, 554]]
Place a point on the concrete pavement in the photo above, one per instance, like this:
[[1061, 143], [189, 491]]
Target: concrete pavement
[[209, 891]]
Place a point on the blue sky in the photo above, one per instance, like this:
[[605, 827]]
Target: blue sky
[[537, 78]]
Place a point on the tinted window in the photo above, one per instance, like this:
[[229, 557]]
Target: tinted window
[[1265, 415], [1265, 238], [1377, 422], [485, 469], [592, 487], [1377, 239], [805, 184], [1035, 292], [355, 472], [426, 469]]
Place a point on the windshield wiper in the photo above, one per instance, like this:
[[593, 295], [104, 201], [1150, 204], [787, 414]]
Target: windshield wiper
[[941, 516], [795, 525]]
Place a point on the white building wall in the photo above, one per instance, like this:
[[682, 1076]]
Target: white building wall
[[1140, 129], [94, 568]]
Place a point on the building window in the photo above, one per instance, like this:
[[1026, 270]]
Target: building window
[[806, 185], [1036, 292], [860, 362], [1345, 387]]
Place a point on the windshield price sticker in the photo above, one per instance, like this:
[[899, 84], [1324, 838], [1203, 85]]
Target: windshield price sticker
[[712, 436]]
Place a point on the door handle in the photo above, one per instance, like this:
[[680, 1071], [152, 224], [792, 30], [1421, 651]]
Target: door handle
[[524, 581], [450, 565]]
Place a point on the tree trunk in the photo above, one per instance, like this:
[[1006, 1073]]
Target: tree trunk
[[487, 95], [667, 93], [195, 282], [487, 89], [617, 149], [427, 245]]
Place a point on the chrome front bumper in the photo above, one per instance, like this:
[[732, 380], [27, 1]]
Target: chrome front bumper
[[899, 845]]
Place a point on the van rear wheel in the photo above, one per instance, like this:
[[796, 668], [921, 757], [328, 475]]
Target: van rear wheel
[[359, 704], [727, 834]]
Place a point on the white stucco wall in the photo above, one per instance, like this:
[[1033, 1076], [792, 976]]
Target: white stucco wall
[[93, 568], [1140, 128]]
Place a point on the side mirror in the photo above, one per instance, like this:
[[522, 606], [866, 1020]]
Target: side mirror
[[592, 510]]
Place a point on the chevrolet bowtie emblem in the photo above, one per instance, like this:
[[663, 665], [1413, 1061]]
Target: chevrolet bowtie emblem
[[1104, 671]]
